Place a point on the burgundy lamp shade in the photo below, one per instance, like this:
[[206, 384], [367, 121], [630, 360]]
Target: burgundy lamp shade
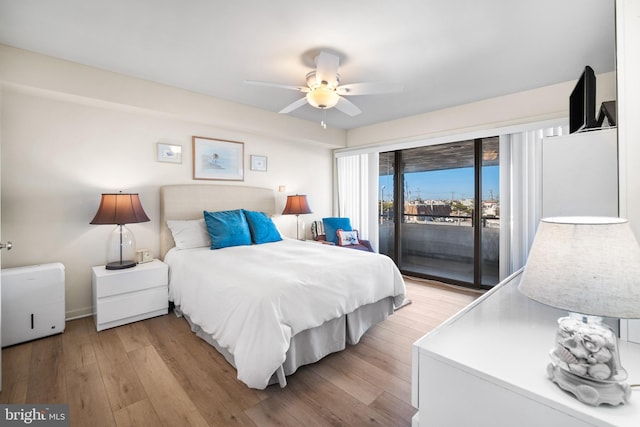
[[296, 205], [120, 208]]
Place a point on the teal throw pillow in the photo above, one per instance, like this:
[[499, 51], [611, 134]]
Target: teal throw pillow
[[227, 228], [262, 228]]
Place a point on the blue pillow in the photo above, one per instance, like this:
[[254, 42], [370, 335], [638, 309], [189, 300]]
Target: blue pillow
[[332, 225], [227, 228], [262, 228]]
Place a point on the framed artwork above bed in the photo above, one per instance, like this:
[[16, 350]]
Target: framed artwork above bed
[[169, 153], [218, 159]]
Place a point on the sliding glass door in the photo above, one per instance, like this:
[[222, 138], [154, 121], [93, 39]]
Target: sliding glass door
[[444, 222], [386, 202]]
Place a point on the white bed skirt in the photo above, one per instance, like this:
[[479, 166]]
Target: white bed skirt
[[311, 345]]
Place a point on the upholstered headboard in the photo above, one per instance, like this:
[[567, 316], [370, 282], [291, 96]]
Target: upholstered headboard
[[190, 200]]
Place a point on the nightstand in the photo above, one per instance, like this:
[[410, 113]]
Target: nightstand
[[129, 295]]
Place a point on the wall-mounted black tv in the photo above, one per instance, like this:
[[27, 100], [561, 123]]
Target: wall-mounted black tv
[[582, 102]]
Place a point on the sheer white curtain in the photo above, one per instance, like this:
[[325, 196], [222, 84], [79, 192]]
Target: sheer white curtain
[[357, 189], [521, 194]]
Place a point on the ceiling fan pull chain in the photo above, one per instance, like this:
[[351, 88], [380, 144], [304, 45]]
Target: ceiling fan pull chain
[[324, 117]]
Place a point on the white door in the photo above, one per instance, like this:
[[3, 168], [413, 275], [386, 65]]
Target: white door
[[2, 246], [6, 246]]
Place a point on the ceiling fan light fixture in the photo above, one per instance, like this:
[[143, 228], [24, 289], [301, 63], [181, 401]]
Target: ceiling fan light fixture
[[313, 81], [322, 97]]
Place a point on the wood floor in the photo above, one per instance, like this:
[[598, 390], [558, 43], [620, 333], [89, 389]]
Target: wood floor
[[157, 373]]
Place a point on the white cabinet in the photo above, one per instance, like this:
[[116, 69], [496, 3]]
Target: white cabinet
[[580, 174], [129, 295], [486, 367], [630, 330]]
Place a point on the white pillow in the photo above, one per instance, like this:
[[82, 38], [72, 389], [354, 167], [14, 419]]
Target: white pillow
[[189, 234], [347, 238]]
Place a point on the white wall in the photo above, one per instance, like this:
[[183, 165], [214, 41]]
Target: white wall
[[536, 105], [628, 58], [628, 64], [69, 139]]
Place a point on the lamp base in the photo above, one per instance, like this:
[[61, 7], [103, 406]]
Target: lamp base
[[590, 392], [300, 232], [119, 265]]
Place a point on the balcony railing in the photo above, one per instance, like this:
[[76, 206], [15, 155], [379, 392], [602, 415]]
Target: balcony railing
[[435, 244]]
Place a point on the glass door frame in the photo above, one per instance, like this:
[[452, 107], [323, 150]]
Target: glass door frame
[[399, 216]]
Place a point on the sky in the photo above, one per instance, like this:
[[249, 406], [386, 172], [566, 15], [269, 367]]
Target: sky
[[442, 184]]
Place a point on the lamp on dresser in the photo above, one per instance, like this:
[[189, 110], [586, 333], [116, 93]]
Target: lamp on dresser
[[297, 205], [120, 209], [590, 267]]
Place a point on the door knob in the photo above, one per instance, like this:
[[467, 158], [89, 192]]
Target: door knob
[[6, 246]]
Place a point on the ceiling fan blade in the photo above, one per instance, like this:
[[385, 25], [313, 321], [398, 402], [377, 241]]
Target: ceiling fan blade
[[347, 107], [327, 69], [293, 106], [369, 88], [282, 86]]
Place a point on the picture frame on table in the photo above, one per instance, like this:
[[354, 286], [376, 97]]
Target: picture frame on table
[[218, 159], [258, 163], [168, 153]]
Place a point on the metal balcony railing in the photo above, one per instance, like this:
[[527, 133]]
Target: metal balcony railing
[[431, 244]]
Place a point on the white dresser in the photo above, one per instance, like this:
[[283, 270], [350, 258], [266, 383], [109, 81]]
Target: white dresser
[[486, 367]]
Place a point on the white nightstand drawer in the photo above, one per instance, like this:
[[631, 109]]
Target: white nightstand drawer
[[142, 276], [132, 304], [128, 295]]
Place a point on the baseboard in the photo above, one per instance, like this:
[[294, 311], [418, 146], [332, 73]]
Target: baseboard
[[78, 314]]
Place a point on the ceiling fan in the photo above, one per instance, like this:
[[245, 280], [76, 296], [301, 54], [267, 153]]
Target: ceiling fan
[[324, 91]]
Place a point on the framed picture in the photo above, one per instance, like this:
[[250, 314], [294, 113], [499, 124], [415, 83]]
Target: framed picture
[[258, 163], [169, 153], [218, 159]]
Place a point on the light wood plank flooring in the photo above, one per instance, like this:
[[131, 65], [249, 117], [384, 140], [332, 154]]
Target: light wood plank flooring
[[157, 373]]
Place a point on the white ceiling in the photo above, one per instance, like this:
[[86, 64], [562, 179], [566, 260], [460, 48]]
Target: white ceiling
[[444, 52]]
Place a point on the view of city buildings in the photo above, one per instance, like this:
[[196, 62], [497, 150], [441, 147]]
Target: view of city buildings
[[449, 211]]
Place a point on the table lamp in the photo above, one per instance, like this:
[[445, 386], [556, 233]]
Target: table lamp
[[589, 266], [120, 209], [297, 205]]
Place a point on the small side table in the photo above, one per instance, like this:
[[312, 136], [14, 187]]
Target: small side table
[[128, 295]]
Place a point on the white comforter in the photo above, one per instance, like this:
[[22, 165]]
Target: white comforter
[[253, 299]]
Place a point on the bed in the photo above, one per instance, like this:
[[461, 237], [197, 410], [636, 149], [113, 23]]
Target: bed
[[270, 308]]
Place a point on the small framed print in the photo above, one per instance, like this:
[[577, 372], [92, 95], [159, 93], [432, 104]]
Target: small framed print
[[258, 163], [218, 159], [169, 153]]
